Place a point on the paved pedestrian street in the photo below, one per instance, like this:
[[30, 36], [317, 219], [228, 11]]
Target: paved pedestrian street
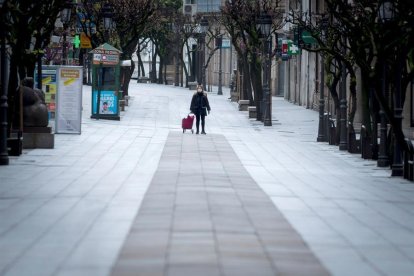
[[204, 215], [139, 197]]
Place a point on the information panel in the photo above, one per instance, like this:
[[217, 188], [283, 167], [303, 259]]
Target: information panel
[[69, 100], [49, 87]]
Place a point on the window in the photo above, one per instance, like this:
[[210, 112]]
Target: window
[[108, 76], [208, 5]]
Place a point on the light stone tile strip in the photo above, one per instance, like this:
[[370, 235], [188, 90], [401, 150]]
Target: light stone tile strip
[[203, 214]]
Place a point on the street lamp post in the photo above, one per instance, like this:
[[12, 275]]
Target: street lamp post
[[321, 128], [220, 80], [107, 19], [343, 139], [385, 14], [106, 12], [264, 26], [397, 162], [383, 160], [204, 28], [4, 156], [197, 66], [65, 18], [177, 56]]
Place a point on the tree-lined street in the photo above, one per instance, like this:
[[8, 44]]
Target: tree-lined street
[[73, 207], [306, 166]]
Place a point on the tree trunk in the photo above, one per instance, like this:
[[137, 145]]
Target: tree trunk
[[141, 69], [256, 78], [161, 71], [332, 90], [165, 73], [185, 70], [126, 74], [353, 102], [153, 72], [366, 114], [247, 84]]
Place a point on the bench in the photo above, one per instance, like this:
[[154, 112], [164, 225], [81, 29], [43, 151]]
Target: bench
[[332, 131], [252, 111], [126, 98], [409, 161], [354, 144], [243, 105], [192, 85], [143, 80], [169, 80], [122, 105], [366, 143], [234, 96]]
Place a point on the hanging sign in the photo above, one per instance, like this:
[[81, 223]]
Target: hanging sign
[[284, 47], [105, 57], [225, 43], [293, 49], [85, 41]]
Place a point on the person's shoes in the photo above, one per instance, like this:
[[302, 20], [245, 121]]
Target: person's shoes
[[203, 132], [197, 132]]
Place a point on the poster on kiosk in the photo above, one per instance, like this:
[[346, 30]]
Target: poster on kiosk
[[105, 85]]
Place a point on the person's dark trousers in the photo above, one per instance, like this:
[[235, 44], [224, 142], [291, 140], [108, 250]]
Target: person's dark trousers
[[203, 122]]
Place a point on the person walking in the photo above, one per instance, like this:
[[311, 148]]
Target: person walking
[[200, 107]]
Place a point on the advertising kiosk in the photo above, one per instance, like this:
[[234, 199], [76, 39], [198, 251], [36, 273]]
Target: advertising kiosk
[[105, 82]]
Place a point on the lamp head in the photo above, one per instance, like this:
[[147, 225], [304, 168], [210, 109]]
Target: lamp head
[[386, 11], [204, 25], [107, 16], [65, 14], [264, 25]]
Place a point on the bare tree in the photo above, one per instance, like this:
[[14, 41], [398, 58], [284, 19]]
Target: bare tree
[[373, 44], [28, 31], [240, 19]]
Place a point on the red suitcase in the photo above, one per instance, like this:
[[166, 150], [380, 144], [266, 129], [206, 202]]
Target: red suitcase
[[187, 123]]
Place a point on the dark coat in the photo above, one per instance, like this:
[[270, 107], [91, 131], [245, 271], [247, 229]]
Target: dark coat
[[199, 104]]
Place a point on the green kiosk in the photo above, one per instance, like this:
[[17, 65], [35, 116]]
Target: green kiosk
[[105, 82]]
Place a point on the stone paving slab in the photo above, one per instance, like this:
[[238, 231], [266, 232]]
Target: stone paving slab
[[354, 217], [204, 215]]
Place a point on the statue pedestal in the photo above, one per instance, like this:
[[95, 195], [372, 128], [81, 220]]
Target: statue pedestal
[[38, 137]]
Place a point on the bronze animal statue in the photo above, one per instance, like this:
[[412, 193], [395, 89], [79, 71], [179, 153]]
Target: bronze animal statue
[[35, 112]]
